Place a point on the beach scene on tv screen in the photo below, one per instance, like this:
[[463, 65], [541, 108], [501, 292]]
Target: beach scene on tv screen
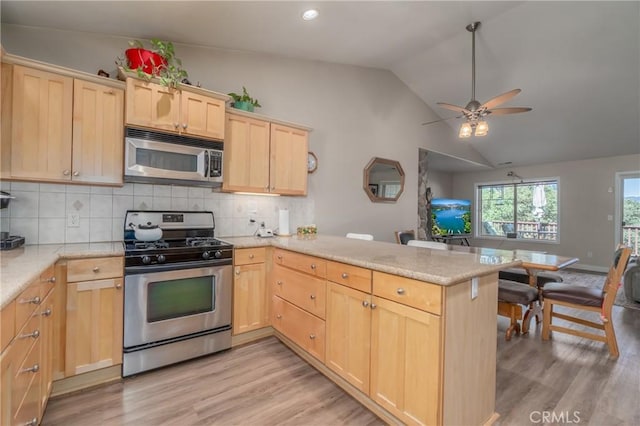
[[450, 216]]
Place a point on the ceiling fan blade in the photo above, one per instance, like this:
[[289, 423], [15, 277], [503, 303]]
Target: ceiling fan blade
[[504, 111], [455, 108], [442, 119], [500, 99]]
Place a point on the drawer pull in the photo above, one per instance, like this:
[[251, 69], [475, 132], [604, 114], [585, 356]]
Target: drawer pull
[[251, 256], [345, 275], [279, 257], [365, 303], [373, 306], [400, 290], [52, 280], [35, 335], [33, 369], [313, 266], [32, 422], [36, 301], [279, 316], [96, 269], [237, 271], [118, 286], [47, 313], [313, 297], [312, 336], [279, 282]]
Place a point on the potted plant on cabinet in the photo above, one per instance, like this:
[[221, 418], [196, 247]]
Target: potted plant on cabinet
[[244, 101], [159, 61]]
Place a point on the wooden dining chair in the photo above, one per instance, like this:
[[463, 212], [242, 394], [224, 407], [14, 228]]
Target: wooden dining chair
[[599, 300], [403, 237]]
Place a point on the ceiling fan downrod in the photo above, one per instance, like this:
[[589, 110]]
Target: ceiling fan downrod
[[473, 104]]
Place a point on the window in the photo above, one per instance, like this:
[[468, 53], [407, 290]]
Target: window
[[525, 210]]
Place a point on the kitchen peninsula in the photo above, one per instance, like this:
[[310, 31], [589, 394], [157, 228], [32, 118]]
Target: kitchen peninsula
[[409, 332]]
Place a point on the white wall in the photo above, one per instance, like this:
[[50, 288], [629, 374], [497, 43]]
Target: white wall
[[356, 113], [586, 199], [441, 183]]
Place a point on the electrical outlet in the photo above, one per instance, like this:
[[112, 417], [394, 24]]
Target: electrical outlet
[[474, 288], [73, 220]]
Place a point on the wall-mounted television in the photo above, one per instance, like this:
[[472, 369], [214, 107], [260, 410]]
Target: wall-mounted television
[[450, 216]]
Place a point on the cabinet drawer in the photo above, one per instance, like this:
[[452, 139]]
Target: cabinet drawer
[[349, 275], [306, 292], [301, 262], [94, 269], [250, 255], [418, 294], [27, 336], [26, 304], [301, 327], [27, 375], [47, 281], [29, 410], [8, 324]]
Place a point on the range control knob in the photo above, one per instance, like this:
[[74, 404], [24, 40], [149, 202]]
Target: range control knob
[[218, 254], [206, 255], [146, 260], [161, 258]]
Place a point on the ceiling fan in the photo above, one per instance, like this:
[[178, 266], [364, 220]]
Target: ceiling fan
[[475, 112]]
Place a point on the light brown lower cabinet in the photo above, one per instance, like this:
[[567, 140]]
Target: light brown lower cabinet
[[250, 291], [304, 329], [348, 332]]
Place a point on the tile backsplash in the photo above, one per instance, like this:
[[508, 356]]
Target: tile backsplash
[[45, 213]]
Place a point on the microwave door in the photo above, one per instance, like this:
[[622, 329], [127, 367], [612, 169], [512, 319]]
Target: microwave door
[[164, 160]]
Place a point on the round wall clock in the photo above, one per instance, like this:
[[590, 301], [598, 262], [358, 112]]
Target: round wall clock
[[312, 162]]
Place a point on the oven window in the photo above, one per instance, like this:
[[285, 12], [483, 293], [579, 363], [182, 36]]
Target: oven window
[[166, 160], [180, 298]]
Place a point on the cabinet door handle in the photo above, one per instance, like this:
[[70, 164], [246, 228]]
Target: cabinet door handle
[[312, 336], [33, 369], [273, 188], [400, 290], [279, 282], [373, 306], [76, 173], [176, 125], [313, 297], [32, 422], [35, 300], [313, 266], [118, 286], [96, 269], [251, 256], [184, 126], [345, 275], [66, 172], [35, 335], [278, 316], [365, 303], [47, 313], [237, 271]]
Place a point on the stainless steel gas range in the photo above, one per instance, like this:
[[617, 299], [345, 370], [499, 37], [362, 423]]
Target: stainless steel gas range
[[177, 290]]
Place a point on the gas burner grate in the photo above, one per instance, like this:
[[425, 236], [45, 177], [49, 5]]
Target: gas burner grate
[[202, 241], [142, 245]]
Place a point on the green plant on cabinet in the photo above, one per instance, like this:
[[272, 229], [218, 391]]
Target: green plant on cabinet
[[244, 101]]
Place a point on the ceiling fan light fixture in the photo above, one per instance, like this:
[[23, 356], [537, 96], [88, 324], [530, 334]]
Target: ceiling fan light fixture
[[482, 128], [465, 130]]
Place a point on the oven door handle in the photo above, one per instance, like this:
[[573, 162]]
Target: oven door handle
[[136, 270]]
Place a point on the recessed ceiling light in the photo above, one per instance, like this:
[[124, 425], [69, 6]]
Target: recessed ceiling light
[[310, 14]]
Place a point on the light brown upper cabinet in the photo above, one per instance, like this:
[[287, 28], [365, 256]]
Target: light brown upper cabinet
[[63, 129], [264, 157], [183, 111]]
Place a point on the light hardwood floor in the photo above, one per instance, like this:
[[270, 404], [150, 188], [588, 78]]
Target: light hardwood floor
[[264, 383]]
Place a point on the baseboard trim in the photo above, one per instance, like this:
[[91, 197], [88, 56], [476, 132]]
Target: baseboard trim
[[86, 380], [250, 336]]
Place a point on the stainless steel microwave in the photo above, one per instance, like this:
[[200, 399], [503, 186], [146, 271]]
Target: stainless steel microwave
[[154, 157]]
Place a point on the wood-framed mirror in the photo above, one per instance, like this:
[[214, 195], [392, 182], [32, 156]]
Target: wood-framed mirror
[[383, 180]]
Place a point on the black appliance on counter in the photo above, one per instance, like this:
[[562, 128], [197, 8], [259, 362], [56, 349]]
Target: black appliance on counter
[[177, 290]]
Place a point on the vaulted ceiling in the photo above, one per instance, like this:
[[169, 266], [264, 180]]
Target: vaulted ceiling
[[577, 63]]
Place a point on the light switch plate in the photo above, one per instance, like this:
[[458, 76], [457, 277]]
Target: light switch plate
[[474, 288]]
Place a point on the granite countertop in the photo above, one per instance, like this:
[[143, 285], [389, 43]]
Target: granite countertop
[[19, 267], [443, 267]]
